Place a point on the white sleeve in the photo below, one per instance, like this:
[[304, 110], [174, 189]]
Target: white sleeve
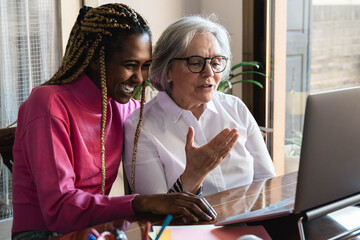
[[149, 171], [263, 165]]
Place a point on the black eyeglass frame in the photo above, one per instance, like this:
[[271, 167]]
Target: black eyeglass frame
[[203, 67]]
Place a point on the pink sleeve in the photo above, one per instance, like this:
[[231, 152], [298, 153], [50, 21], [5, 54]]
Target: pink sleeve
[[46, 143]]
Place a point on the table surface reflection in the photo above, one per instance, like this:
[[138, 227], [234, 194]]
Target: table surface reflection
[[231, 202]]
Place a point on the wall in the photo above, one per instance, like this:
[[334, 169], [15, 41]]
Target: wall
[[69, 12], [160, 13]]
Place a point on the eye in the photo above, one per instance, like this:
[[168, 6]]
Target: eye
[[131, 66], [146, 66], [196, 61]]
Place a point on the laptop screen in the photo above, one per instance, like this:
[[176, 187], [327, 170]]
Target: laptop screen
[[330, 154]]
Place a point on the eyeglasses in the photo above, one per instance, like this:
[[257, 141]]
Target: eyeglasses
[[196, 64]]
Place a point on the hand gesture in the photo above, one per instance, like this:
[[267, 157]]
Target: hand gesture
[[201, 160]]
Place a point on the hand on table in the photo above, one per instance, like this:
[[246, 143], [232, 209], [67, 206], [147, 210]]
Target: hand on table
[[192, 208]]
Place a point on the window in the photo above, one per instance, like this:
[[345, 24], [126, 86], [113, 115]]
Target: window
[[323, 53], [29, 55]]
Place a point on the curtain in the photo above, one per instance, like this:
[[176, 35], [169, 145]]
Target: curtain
[[30, 53]]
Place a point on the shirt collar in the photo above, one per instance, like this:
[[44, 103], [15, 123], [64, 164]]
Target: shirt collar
[[173, 110], [87, 93]]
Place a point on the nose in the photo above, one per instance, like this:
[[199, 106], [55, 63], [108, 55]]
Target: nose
[[139, 76], [207, 69]]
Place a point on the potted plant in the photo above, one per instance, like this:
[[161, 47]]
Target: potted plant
[[226, 85], [292, 151]]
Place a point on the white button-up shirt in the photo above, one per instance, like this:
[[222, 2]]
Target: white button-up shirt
[[160, 158]]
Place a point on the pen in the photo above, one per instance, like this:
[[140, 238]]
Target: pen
[[166, 222], [120, 235], [146, 232], [91, 237]]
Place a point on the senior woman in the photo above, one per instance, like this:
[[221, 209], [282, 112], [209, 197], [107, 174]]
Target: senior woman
[[191, 138]]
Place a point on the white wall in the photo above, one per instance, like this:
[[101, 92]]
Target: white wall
[[69, 12], [160, 13]]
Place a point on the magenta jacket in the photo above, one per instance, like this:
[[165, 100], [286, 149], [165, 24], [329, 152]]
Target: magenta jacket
[[57, 163]]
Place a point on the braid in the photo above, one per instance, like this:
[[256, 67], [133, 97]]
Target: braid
[[103, 115], [88, 33], [93, 34], [137, 134]]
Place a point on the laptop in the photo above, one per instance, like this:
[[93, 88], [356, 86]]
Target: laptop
[[328, 176]]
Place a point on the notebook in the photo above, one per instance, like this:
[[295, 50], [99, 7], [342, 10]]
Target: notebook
[[210, 232], [329, 161]]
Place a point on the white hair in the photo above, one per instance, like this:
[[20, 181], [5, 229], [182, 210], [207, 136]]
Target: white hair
[[176, 38]]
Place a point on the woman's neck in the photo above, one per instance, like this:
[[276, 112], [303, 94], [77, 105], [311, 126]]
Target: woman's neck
[[197, 109]]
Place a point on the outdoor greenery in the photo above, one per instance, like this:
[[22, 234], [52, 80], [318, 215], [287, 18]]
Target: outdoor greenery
[[294, 144]]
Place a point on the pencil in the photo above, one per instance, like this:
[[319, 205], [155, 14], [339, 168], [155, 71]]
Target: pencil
[[166, 222], [146, 232]]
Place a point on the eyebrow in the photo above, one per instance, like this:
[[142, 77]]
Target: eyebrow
[[126, 61]]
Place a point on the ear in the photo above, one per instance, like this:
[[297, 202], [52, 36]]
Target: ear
[[168, 75], [93, 72]]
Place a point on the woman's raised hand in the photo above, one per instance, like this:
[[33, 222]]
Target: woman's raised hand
[[201, 160]]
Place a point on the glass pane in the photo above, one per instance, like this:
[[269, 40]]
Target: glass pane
[[323, 53], [335, 50], [29, 55]]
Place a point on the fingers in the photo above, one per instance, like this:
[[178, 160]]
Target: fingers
[[228, 144], [212, 210], [196, 208], [224, 141], [223, 137], [190, 138], [219, 137], [190, 206]]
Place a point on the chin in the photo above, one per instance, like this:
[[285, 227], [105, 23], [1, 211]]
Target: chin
[[122, 100], [207, 98]]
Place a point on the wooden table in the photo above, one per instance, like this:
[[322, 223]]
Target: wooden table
[[235, 201]]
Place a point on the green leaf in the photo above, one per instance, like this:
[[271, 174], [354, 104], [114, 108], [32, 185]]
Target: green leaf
[[224, 86], [137, 92], [242, 64], [255, 72], [250, 81]]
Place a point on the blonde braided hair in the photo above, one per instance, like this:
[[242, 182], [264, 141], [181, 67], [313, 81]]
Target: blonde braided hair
[[136, 139], [103, 116], [93, 35]]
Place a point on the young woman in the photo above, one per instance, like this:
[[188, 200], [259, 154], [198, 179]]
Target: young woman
[[69, 136]]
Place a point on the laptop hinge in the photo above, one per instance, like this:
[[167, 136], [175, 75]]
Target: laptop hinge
[[332, 207], [321, 211]]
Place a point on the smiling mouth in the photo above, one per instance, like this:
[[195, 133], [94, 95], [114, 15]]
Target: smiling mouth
[[127, 88]]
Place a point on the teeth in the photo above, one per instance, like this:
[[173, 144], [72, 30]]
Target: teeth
[[207, 85], [127, 88]]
